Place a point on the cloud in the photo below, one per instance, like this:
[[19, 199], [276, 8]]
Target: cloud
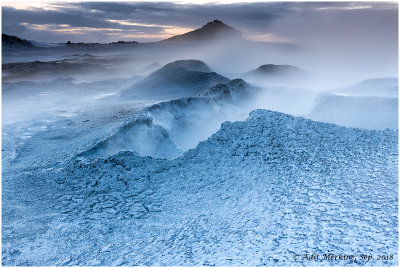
[[308, 23]]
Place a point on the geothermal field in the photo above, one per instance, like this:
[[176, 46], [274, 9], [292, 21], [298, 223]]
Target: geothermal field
[[204, 148]]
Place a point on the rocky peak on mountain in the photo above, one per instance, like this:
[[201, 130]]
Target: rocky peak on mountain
[[213, 30]]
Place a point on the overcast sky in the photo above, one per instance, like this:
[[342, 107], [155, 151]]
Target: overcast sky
[[311, 23]]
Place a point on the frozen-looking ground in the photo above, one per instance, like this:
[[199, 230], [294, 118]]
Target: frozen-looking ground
[[91, 178], [255, 193]]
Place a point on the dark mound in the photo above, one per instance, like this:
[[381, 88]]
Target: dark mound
[[272, 70], [9, 41], [189, 65], [277, 74], [183, 78]]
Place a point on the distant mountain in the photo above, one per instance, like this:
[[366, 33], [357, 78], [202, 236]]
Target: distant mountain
[[9, 41], [381, 87], [213, 30], [182, 78]]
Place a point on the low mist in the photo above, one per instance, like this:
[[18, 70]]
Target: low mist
[[180, 107]]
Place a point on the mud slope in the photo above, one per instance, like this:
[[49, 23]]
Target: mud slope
[[255, 193]]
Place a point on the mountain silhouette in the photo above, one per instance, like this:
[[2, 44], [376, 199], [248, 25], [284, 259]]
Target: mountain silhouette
[[9, 41], [213, 30]]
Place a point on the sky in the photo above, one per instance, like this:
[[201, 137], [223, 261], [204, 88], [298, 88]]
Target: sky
[[358, 24]]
